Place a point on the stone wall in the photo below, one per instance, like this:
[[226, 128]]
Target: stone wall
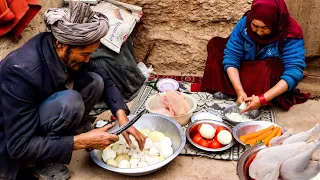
[[173, 34]]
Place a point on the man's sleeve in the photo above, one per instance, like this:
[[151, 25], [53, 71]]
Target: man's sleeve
[[111, 93], [19, 105]]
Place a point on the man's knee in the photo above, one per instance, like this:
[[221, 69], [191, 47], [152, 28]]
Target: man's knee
[[72, 102], [61, 112]]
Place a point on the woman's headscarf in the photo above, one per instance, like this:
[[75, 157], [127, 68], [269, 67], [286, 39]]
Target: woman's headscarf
[[275, 15]]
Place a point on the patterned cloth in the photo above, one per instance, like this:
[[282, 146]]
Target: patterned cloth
[[206, 103]]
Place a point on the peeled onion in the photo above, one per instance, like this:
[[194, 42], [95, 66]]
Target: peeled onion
[[224, 137], [166, 152], [165, 141], [134, 162], [124, 164], [112, 162], [145, 132], [207, 131], [153, 151], [122, 140], [152, 161], [148, 143], [142, 164], [156, 136], [108, 154], [122, 157]]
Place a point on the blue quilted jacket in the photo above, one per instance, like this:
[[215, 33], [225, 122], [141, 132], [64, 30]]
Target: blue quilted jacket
[[240, 47]]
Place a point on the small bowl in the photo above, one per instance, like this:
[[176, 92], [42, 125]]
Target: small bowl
[[152, 103], [250, 127], [192, 129], [205, 116], [253, 115], [245, 161]]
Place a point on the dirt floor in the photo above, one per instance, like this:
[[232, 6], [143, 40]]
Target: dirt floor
[[299, 118]]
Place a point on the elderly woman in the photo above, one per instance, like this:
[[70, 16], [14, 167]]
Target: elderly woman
[[263, 58]]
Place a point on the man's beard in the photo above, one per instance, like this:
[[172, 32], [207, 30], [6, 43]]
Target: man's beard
[[67, 63]]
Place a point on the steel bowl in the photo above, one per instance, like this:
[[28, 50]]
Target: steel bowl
[[155, 122], [250, 127], [190, 133], [253, 115], [245, 161]]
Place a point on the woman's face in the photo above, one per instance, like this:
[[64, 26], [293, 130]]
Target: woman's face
[[260, 28]]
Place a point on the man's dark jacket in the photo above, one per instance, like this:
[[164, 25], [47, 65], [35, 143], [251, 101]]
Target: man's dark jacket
[[28, 76]]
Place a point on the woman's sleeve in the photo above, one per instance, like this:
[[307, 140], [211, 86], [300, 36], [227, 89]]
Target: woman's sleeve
[[234, 52], [293, 59]]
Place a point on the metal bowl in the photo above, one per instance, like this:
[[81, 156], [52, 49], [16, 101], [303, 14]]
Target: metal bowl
[[244, 161], [205, 116], [154, 122], [250, 127], [253, 115], [215, 125]]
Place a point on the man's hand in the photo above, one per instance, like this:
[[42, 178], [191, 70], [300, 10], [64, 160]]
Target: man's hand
[[95, 139], [254, 103], [123, 119], [241, 96]]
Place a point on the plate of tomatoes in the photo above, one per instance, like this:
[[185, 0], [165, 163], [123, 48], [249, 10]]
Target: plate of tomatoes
[[210, 135]]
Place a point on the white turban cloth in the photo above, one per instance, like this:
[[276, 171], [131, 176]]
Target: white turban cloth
[[76, 25]]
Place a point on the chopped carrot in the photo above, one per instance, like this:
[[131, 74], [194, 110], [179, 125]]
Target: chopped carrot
[[242, 139], [247, 137], [267, 139], [258, 139], [279, 133]]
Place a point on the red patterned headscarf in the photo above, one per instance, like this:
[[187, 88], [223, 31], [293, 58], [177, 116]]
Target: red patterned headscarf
[[275, 15]]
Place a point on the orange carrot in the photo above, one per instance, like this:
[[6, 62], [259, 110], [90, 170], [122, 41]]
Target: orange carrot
[[256, 140], [246, 137], [279, 133], [267, 139], [242, 139]]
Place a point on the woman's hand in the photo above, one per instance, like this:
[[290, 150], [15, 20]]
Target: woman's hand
[[253, 103], [123, 119], [241, 97]]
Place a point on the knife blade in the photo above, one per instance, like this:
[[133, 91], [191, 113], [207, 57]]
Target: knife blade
[[119, 130]]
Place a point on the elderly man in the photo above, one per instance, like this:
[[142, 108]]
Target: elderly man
[[48, 87]]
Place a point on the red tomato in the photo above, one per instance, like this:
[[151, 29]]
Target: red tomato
[[216, 137], [209, 141], [220, 128], [203, 143], [199, 127], [215, 144], [197, 138]]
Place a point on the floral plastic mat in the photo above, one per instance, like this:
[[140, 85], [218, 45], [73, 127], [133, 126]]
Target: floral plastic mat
[[206, 103]]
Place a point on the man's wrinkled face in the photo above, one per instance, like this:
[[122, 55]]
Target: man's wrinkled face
[[75, 56]]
